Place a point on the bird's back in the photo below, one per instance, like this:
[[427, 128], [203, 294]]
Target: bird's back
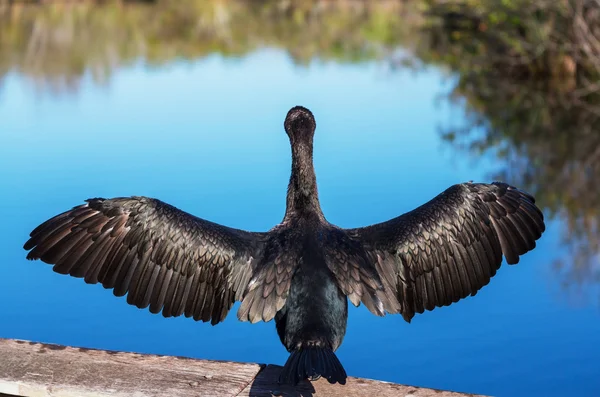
[[316, 309]]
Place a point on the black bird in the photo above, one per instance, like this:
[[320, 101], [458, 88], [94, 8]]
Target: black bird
[[303, 270]]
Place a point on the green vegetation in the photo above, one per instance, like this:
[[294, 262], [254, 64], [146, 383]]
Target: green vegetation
[[527, 72]]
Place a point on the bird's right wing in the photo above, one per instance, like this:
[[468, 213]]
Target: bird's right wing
[[450, 247], [159, 255]]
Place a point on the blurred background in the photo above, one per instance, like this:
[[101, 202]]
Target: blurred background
[[184, 101]]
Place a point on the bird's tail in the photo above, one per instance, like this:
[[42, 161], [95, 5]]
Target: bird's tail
[[312, 363]]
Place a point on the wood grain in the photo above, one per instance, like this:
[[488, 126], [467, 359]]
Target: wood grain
[[36, 369], [29, 369]]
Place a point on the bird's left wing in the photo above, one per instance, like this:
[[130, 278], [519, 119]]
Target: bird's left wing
[[158, 255], [450, 247]]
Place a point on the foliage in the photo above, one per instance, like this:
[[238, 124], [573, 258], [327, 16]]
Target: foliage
[[549, 39]]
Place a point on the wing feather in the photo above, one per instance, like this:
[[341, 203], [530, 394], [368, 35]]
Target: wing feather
[[160, 256], [450, 247]]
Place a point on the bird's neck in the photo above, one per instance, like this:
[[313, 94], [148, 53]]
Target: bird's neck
[[302, 195]]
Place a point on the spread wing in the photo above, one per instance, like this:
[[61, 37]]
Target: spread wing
[[155, 253], [450, 247]]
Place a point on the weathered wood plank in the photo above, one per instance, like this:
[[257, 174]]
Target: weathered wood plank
[[265, 385], [36, 369], [29, 369]]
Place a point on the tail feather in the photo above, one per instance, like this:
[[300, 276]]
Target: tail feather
[[312, 363]]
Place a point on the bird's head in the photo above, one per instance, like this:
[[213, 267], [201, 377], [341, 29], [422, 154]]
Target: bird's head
[[300, 125]]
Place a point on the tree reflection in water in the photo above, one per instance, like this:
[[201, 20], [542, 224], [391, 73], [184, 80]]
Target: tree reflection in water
[[56, 45]]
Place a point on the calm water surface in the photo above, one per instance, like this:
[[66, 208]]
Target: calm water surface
[[207, 136]]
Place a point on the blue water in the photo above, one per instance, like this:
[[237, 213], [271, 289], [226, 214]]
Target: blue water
[[208, 138]]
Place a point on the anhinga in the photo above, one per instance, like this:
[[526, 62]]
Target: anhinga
[[302, 271]]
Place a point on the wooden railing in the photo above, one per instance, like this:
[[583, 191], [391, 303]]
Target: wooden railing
[[29, 369]]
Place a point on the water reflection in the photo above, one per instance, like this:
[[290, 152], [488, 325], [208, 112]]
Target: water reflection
[[57, 45]]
